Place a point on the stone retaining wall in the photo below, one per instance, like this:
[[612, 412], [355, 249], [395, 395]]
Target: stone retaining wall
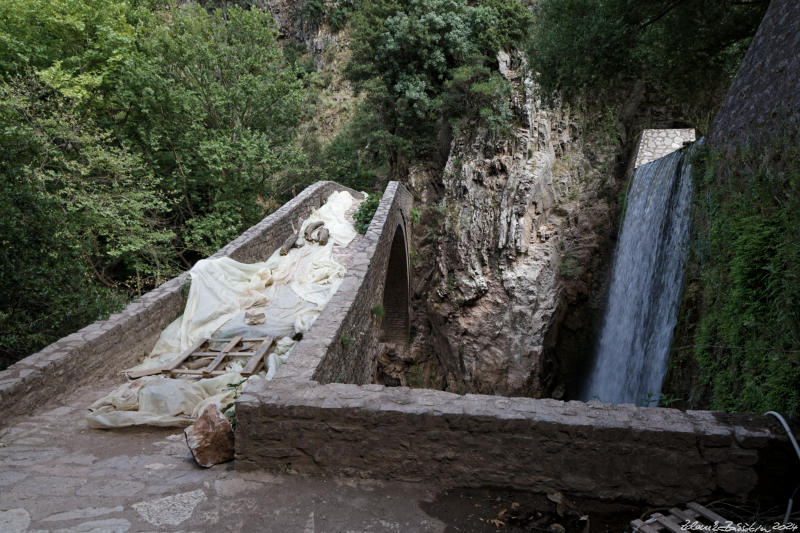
[[109, 346], [766, 90], [655, 144]]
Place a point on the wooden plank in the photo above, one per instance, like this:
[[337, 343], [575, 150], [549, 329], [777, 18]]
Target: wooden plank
[[641, 527], [264, 343], [258, 356], [254, 362], [707, 513], [222, 355], [668, 523], [184, 356], [169, 366]]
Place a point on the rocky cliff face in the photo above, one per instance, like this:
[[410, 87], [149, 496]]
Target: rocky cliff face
[[521, 224], [321, 44]]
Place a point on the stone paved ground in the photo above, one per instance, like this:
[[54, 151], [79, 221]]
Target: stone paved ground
[[58, 475]]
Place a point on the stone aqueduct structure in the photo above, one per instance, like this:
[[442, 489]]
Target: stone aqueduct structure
[[323, 414]]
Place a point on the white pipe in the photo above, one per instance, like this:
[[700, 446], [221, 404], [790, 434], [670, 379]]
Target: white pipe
[[796, 450]]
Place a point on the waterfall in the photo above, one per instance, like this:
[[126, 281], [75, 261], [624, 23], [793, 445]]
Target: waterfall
[[633, 349]]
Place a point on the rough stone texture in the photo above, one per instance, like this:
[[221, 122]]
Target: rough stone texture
[[342, 345], [655, 144], [766, 89], [512, 212], [653, 455], [210, 438], [108, 346]]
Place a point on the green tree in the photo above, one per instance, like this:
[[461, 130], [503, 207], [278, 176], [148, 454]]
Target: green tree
[[79, 213], [109, 201], [48, 289], [213, 105], [134, 139]]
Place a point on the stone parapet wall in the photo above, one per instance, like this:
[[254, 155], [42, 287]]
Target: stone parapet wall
[[341, 345], [598, 451], [106, 347]]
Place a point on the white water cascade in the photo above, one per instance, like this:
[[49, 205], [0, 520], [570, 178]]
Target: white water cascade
[[632, 352]]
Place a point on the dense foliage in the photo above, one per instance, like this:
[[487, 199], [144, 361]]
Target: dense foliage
[[687, 49], [213, 109], [746, 266], [365, 212], [134, 141], [353, 157]]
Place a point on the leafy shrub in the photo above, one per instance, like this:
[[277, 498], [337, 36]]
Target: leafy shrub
[[355, 156], [363, 216], [47, 287], [379, 312], [312, 12], [479, 95]]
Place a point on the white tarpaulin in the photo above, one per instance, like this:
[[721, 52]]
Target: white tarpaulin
[[290, 290]]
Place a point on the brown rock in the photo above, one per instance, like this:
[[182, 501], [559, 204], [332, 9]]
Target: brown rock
[[210, 438]]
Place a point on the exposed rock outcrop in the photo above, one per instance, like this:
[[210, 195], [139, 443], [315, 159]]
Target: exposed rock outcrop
[[521, 222]]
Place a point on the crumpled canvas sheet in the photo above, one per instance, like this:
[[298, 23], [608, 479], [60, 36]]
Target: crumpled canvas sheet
[[290, 290]]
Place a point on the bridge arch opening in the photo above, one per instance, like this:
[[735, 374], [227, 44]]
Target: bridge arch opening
[[395, 324]]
